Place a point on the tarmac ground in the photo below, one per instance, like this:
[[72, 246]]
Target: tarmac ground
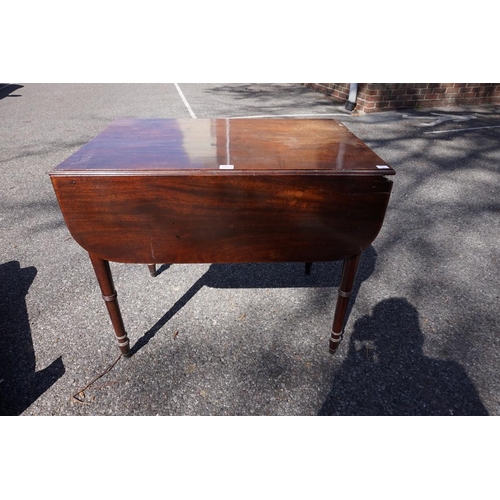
[[252, 339]]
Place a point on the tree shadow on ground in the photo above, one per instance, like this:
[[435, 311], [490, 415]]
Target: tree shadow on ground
[[266, 92], [273, 98], [20, 384], [386, 372], [268, 275]]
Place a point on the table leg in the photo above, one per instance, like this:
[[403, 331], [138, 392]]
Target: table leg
[[308, 267], [345, 289], [105, 279], [152, 269]]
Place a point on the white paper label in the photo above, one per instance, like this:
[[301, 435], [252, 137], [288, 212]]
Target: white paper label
[[382, 166], [226, 167]]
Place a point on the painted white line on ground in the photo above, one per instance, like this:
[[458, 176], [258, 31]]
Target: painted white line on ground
[[460, 129], [290, 116], [228, 136], [184, 100]]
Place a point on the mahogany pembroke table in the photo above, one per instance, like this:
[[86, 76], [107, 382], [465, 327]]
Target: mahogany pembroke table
[[154, 191]]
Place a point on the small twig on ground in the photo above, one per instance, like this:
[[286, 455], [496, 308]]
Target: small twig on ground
[[81, 393]]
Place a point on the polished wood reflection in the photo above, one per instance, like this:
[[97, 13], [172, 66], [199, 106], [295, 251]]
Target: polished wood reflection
[[247, 144]]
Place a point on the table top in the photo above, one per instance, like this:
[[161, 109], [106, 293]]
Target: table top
[[223, 146]]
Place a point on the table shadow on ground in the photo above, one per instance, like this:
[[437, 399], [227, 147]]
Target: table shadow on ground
[[386, 372], [267, 275], [20, 384]]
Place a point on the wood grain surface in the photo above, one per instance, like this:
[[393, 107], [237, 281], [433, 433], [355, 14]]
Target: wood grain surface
[[194, 219]]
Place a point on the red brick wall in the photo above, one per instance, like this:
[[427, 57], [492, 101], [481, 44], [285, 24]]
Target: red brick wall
[[387, 96]]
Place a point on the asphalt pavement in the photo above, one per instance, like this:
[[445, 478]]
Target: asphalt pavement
[[422, 332]]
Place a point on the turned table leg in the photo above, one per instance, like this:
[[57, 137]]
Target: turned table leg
[[152, 269], [105, 279], [345, 289]]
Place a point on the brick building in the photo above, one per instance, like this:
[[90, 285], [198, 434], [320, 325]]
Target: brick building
[[388, 96]]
